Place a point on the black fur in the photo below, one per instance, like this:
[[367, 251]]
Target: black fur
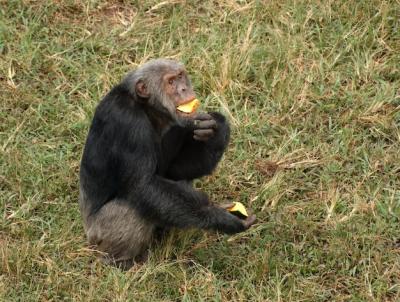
[[126, 158]]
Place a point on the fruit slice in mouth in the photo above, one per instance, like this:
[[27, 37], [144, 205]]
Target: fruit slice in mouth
[[189, 107]]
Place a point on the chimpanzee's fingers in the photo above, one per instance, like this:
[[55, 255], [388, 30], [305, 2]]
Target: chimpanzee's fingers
[[227, 206], [249, 221], [203, 116], [201, 138], [204, 132], [209, 124]]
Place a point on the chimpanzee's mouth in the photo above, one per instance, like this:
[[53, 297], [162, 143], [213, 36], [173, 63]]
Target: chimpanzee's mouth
[[189, 100], [189, 107]]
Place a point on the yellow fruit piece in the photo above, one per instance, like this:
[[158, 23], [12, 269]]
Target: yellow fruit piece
[[239, 207], [189, 107]]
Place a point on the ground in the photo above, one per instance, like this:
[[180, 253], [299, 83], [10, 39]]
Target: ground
[[312, 92]]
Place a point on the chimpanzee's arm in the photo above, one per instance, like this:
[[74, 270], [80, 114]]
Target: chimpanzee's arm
[[172, 204], [197, 158], [169, 203]]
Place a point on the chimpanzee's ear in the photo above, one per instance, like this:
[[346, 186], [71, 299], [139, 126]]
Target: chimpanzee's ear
[[141, 89]]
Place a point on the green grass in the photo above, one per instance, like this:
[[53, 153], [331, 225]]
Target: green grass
[[312, 92]]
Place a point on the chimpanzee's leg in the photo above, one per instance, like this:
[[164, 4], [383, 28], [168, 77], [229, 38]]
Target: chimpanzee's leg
[[118, 231]]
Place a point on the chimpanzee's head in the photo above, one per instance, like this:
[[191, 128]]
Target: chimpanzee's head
[[162, 84]]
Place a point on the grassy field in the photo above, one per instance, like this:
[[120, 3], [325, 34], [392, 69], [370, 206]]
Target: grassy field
[[312, 92]]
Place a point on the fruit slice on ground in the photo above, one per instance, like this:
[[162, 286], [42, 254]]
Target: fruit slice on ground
[[189, 107], [238, 208]]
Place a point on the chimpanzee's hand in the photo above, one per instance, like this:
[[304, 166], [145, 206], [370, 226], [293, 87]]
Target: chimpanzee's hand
[[248, 222], [204, 126]]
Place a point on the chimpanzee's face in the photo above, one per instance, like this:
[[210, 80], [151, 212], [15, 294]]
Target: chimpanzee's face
[[165, 85], [178, 89]]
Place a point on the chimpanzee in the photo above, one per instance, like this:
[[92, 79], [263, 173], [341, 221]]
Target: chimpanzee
[[140, 157]]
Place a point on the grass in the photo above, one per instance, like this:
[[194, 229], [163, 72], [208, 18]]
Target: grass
[[312, 92]]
